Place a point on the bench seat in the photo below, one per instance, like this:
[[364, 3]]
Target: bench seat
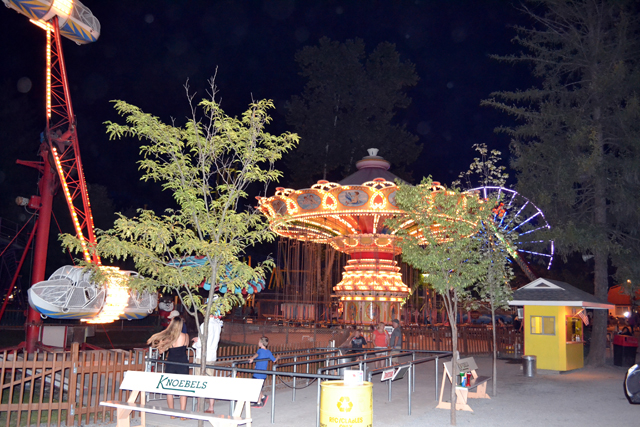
[[216, 420], [477, 383], [241, 391]]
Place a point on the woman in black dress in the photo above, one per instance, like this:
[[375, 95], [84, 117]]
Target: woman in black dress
[[174, 342]]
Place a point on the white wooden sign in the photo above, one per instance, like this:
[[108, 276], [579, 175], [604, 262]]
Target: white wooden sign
[[353, 377], [245, 389], [394, 374], [387, 375]]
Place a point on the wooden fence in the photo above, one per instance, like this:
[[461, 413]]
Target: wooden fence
[[62, 387], [66, 387], [471, 340]]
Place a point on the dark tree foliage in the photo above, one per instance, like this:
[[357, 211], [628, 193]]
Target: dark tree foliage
[[577, 150], [347, 106]]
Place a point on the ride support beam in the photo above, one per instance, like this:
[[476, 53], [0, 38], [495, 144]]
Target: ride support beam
[[47, 187], [17, 273]]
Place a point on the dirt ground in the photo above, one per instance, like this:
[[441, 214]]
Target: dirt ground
[[585, 397]]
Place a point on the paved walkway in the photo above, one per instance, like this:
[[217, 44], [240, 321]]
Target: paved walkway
[[586, 397]]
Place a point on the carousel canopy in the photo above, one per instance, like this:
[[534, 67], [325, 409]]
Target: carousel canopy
[[370, 168]]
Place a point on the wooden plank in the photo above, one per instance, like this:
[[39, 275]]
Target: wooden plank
[[194, 385], [52, 381], [73, 384], [160, 410], [32, 386], [5, 354], [464, 365]]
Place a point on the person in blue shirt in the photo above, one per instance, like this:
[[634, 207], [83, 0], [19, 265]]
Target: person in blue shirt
[[262, 356]]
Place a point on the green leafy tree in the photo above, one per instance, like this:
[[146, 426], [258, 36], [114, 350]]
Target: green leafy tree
[[442, 246], [497, 246], [495, 289], [348, 105], [208, 166], [484, 170], [577, 149]]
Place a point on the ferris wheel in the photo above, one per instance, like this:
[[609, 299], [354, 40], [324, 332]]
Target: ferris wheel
[[516, 215]]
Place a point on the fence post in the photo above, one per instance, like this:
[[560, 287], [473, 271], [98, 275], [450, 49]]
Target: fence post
[[73, 381], [465, 340]]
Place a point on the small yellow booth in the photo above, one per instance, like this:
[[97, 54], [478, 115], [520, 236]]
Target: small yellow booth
[[553, 320]]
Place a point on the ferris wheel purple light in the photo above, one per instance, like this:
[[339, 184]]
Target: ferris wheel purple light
[[514, 213]]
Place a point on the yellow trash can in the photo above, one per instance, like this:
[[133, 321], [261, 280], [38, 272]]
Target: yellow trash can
[[342, 405]]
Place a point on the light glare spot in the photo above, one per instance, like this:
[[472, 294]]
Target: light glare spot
[[24, 85]]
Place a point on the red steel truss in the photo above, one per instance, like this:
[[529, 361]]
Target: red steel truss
[[62, 137]]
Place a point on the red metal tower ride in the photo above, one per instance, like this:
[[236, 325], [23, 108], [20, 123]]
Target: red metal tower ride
[[59, 149]]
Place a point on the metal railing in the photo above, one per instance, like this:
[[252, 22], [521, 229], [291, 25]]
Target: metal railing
[[325, 360], [472, 339]]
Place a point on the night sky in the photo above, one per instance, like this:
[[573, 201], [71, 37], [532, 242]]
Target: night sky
[[149, 48]]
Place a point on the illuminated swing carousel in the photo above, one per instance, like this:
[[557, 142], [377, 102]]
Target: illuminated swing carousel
[[350, 216]]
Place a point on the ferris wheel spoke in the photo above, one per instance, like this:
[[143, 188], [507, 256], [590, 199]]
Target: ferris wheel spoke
[[533, 230], [529, 242], [512, 198], [513, 218], [526, 221], [510, 208], [534, 253], [521, 209]]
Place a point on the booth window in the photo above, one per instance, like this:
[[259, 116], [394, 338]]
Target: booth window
[[574, 329], [543, 325]]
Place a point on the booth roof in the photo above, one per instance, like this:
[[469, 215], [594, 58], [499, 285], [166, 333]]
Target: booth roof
[[552, 292]]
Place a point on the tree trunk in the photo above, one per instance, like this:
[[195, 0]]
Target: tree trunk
[[598, 343], [494, 390], [454, 369], [451, 306]]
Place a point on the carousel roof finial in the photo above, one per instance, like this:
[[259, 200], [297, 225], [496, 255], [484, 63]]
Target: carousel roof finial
[[369, 168]]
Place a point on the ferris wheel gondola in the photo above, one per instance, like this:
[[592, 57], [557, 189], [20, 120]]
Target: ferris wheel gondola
[[516, 215]]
